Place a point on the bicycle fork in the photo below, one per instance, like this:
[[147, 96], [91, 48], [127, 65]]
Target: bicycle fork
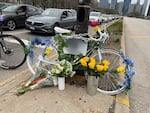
[[4, 48]]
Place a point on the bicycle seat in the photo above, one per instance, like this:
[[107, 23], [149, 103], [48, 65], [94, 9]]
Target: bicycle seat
[[61, 30]]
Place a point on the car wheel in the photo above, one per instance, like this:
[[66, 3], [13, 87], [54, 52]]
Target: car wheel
[[11, 25]]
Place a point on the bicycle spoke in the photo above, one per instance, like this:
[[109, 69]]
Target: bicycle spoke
[[12, 52], [110, 82]]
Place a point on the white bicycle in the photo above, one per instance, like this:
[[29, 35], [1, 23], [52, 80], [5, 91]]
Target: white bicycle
[[79, 44]]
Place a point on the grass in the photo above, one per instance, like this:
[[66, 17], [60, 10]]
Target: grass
[[115, 33], [116, 28]]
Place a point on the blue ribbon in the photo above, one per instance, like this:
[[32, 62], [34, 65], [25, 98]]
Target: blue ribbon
[[38, 41], [131, 72], [127, 83], [129, 61], [126, 60]]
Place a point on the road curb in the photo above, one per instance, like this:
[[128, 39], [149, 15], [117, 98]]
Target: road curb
[[122, 103]]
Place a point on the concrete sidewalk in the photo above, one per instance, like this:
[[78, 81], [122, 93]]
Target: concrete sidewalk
[[73, 99]]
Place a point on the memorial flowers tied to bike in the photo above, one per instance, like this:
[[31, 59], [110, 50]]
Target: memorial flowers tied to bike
[[98, 69]]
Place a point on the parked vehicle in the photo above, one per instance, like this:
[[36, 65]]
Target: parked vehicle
[[4, 5], [104, 18], [95, 16], [51, 18], [15, 15]]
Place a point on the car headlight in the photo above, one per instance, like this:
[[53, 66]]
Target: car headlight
[[1, 18]]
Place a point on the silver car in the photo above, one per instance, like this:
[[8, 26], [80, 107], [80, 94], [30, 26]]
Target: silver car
[[51, 18]]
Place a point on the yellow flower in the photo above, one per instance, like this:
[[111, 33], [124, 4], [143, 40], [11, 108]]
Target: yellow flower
[[83, 63], [121, 69], [106, 67], [92, 59], [86, 59], [48, 51], [96, 28], [106, 62], [92, 63], [99, 68]]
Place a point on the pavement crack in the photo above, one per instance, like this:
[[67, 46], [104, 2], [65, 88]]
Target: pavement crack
[[112, 106]]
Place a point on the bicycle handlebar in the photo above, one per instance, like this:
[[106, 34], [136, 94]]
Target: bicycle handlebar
[[100, 36], [87, 37]]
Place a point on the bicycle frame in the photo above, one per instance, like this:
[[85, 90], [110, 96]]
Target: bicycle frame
[[39, 63], [83, 39], [41, 58], [1, 39]]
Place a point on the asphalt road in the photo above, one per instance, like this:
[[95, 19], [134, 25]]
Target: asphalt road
[[137, 36]]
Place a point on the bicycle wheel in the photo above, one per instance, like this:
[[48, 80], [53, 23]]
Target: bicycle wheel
[[111, 83], [12, 53], [40, 61]]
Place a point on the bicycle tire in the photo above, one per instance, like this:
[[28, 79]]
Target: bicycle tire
[[111, 83], [16, 56], [35, 63]]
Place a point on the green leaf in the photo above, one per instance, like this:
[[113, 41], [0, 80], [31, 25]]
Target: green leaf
[[22, 90], [26, 50]]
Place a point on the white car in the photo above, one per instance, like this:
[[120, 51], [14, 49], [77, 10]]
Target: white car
[[104, 18], [95, 16]]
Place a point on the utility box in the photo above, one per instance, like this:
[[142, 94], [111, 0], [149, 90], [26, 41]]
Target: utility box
[[82, 17]]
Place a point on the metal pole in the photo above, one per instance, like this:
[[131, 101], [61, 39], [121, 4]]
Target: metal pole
[[82, 16]]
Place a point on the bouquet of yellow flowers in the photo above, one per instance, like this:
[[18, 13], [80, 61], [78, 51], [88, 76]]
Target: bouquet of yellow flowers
[[93, 68]]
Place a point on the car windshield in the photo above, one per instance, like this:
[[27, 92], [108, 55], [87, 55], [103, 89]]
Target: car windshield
[[10, 8], [94, 14], [52, 13]]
